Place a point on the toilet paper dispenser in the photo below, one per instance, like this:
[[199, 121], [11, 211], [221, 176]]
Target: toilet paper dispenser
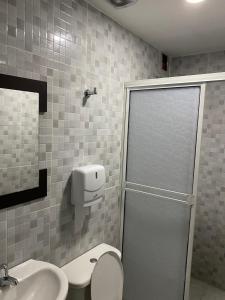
[[87, 185], [87, 189]]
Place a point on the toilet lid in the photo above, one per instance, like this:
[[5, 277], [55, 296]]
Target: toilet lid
[[107, 278]]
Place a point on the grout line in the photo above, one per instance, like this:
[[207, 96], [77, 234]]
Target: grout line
[[6, 223], [6, 241], [20, 166], [52, 125]]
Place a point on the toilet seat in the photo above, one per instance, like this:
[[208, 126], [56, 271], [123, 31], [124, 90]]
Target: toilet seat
[[107, 278]]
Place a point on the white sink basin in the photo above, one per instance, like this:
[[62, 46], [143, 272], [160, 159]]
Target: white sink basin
[[38, 280]]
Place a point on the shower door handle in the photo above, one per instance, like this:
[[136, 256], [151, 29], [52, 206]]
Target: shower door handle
[[187, 199], [188, 202]]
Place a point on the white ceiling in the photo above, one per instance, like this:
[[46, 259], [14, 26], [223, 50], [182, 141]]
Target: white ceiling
[[174, 26]]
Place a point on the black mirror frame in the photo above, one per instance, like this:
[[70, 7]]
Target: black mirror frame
[[35, 86]]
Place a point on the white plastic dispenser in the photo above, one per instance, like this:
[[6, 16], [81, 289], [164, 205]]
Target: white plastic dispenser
[[87, 188], [88, 184]]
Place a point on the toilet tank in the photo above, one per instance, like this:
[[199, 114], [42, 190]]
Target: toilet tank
[[79, 271]]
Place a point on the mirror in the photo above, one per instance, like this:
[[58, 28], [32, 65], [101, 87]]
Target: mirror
[[19, 120], [21, 101]]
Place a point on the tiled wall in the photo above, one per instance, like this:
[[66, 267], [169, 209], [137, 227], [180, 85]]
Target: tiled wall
[[73, 47], [198, 64], [19, 122], [209, 242]]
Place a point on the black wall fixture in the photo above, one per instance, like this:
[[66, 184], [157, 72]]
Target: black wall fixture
[[26, 195], [35, 86], [27, 85], [165, 62]]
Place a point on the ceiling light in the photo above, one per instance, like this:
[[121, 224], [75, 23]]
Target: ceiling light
[[195, 1]]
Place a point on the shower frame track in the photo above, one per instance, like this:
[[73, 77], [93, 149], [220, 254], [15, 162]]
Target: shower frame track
[[169, 82]]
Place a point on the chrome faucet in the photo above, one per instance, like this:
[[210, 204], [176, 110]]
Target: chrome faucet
[[6, 280]]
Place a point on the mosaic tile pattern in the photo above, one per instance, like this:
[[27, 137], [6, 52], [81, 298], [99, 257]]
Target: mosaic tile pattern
[[209, 242], [112, 216], [198, 64], [73, 47], [28, 236], [19, 123]]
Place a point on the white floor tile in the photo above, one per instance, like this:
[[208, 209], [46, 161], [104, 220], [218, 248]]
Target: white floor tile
[[202, 291]]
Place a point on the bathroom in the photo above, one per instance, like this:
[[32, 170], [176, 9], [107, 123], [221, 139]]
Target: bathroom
[[77, 68]]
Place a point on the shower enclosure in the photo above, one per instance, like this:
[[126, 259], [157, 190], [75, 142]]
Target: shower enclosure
[[162, 136]]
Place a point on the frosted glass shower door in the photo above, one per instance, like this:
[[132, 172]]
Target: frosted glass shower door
[[162, 138], [158, 185]]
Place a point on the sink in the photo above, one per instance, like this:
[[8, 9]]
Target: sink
[[38, 280]]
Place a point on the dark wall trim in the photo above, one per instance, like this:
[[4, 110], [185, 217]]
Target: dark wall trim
[[35, 86], [27, 195], [29, 85]]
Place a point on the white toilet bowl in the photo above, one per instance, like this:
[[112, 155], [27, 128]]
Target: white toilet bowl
[[96, 275]]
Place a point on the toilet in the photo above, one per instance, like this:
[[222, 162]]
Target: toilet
[[96, 275]]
